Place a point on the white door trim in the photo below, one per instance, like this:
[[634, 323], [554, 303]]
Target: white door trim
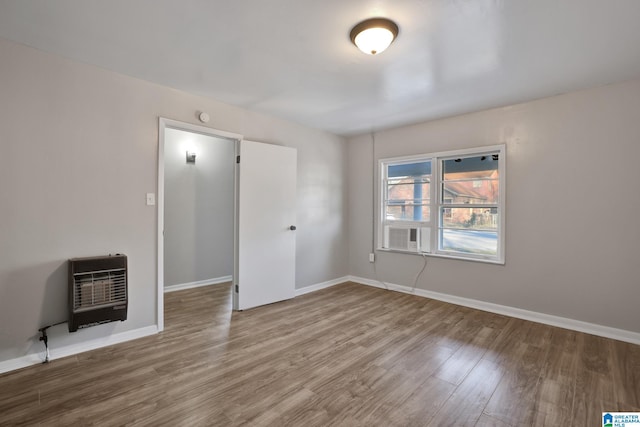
[[164, 123]]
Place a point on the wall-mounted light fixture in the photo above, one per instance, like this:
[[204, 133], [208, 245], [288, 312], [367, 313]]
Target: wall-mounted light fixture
[[374, 35], [191, 157]]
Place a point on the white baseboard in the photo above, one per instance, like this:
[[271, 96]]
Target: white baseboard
[[547, 319], [562, 322], [70, 350], [21, 362], [92, 344], [323, 285], [182, 286]]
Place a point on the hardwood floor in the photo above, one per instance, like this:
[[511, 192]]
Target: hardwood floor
[[349, 355]]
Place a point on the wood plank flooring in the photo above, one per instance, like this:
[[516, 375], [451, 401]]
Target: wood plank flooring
[[350, 355]]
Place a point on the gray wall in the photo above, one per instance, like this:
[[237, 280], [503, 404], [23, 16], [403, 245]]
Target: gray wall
[[572, 206], [198, 208], [78, 152]]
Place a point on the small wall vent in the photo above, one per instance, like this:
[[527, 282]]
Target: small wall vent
[[97, 290]]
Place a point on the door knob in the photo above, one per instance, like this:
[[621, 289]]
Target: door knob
[[292, 228]]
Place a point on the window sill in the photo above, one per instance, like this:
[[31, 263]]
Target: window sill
[[442, 255]]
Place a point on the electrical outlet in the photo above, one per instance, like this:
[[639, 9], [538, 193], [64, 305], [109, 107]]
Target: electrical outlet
[[372, 257], [151, 199]]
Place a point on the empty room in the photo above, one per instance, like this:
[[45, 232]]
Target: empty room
[[338, 213]]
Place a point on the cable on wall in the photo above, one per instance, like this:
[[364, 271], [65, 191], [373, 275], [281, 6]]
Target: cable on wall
[[415, 281], [44, 338]]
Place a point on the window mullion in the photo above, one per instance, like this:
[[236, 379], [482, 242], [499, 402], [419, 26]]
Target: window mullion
[[435, 203]]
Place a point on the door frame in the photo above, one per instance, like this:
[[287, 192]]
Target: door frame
[[164, 123]]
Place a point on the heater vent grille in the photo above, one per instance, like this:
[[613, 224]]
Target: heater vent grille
[[99, 289]]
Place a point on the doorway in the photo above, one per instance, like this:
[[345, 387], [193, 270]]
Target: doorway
[[196, 193], [264, 212]]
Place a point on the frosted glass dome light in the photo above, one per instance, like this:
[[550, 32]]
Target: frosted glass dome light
[[374, 35]]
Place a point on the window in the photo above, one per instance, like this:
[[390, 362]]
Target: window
[[445, 204]]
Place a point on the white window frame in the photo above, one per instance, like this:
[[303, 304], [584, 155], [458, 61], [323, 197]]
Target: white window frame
[[435, 189]]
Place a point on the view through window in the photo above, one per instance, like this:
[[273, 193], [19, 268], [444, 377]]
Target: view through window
[[445, 204]]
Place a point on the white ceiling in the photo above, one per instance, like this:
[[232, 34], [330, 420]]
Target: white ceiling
[[294, 59]]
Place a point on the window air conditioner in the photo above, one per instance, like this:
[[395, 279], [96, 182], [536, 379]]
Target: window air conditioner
[[402, 239]]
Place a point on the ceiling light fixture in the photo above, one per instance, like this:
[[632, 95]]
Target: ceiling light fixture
[[374, 35]]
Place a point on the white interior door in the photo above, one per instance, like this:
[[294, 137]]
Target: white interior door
[[265, 227]]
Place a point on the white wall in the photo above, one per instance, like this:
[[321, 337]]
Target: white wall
[[572, 233], [78, 152], [198, 208]]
